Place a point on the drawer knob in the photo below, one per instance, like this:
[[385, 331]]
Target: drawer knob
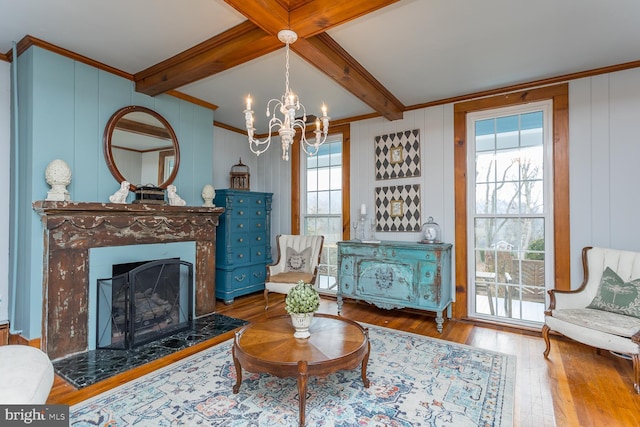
[[259, 238], [259, 253], [240, 255], [240, 225], [259, 225], [257, 274], [241, 201], [240, 278], [241, 240], [259, 202], [240, 212]]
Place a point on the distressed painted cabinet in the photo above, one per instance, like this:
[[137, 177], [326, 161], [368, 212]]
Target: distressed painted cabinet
[[243, 246], [396, 275]]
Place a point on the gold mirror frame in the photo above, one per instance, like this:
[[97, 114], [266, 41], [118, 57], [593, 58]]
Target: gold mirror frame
[[117, 121]]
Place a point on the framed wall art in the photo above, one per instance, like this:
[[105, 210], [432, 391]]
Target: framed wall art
[[397, 155], [398, 208]]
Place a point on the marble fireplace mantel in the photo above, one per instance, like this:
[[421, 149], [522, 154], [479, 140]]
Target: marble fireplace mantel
[[71, 229]]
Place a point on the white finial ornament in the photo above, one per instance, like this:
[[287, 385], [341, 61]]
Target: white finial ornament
[[58, 176], [208, 194]]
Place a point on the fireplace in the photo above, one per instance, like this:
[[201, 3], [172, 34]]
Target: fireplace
[[71, 229], [143, 302]]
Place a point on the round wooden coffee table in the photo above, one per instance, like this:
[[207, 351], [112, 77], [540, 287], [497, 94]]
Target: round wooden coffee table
[[335, 343]]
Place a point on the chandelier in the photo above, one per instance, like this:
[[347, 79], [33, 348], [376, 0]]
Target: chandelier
[[288, 105]]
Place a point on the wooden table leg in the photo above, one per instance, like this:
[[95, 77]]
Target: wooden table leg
[[236, 362], [365, 361], [302, 390]]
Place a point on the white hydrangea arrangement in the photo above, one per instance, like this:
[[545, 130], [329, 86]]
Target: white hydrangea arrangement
[[303, 298]]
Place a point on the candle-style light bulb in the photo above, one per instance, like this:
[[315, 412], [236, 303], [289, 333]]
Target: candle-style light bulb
[[324, 110], [249, 102], [317, 124]]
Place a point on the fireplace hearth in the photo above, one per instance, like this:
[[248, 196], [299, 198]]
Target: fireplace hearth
[[148, 301]]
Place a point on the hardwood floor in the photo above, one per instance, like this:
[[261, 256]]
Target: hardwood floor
[[574, 387]]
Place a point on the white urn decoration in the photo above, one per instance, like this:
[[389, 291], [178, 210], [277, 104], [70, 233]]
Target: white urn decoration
[[301, 302], [208, 194], [58, 176]]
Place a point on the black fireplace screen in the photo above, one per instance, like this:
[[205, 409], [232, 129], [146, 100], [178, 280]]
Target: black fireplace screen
[[150, 301]]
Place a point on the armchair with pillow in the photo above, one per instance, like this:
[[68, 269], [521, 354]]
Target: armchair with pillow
[[298, 259], [604, 312]]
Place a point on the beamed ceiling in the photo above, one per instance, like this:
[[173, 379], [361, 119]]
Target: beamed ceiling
[[363, 58]]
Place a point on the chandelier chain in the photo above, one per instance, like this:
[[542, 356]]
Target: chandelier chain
[[286, 74]]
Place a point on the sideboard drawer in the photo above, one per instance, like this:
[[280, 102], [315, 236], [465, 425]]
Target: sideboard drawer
[[391, 281]]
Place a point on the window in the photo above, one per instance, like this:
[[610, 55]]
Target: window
[[322, 205], [510, 217]]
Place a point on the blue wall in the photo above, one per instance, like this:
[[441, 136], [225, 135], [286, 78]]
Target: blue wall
[[63, 107]]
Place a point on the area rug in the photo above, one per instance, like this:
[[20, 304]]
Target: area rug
[[415, 381]]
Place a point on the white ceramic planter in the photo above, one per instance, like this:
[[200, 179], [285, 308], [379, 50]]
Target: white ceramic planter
[[301, 322]]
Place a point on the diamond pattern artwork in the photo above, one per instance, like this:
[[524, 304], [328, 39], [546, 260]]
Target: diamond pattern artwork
[[398, 155], [398, 208]]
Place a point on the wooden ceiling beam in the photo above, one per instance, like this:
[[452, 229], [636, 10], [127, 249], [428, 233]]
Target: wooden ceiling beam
[[235, 46], [270, 15], [306, 18], [319, 16], [328, 56], [258, 36]]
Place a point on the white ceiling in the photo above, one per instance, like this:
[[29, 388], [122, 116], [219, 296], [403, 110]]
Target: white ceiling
[[420, 50]]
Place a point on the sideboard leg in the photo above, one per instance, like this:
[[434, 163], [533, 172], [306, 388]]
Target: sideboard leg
[[439, 321]]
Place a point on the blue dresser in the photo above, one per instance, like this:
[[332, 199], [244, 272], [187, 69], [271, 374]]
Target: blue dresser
[[243, 244], [396, 275]]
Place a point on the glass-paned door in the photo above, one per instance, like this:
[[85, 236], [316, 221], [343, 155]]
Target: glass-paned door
[[510, 213], [323, 207]]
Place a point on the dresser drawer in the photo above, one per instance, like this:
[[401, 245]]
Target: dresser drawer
[[257, 225], [241, 239], [258, 253], [247, 276], [240, 255]]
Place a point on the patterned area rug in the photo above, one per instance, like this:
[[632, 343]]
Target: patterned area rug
[[415, 381]]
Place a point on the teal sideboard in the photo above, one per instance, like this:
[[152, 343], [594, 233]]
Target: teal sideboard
[[396, 275], [243, 244]]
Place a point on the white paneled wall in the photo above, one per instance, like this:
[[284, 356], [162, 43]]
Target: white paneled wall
[[604, 113], [228, 148], [274, 175], [436, 177]]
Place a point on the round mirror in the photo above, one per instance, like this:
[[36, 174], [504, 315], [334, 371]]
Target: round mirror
[[141, 147]]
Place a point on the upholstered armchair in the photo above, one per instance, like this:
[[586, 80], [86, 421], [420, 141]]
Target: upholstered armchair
[[298, 259], [604, 312], [27, 375]]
